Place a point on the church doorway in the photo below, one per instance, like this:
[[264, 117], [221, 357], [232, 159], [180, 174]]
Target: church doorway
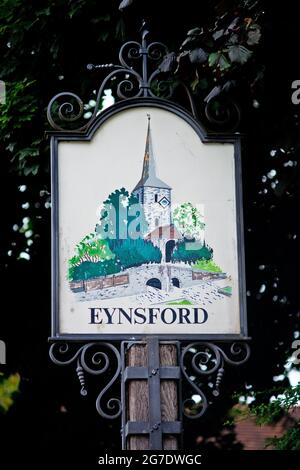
[[170, 245], [175, 282], [154, 282]]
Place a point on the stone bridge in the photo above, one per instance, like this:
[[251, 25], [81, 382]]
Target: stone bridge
[[163, 276]]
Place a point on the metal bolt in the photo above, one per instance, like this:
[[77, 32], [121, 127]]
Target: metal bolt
[[154, 372]]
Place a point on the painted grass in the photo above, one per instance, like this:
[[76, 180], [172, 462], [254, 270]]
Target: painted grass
[[207, 265], [180, 302], [225, 290]]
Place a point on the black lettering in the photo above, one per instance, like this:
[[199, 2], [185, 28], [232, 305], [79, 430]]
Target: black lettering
[[163, 316], [95, 316], [152, 315], [140, 315], [109, 315], [183, 315], [196, 313], [128, 316]]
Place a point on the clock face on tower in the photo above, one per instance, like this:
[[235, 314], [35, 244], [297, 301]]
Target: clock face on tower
[[164, 202]]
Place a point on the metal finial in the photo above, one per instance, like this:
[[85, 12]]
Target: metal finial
[[148, 116]]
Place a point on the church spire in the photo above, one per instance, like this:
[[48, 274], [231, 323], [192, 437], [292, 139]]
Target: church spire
[[149, 162], [149, 177]]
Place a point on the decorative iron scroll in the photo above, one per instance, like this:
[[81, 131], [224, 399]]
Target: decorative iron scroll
[[223, 113], [95, 359], [137, 75], [202, 365]]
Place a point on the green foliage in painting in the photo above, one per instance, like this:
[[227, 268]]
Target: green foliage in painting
[[227, 290], [135, 252], [120, 212], [207, 265], [90, 270], [90, 251], [188, 220], [191, 251], [180, 302], [111, 249]]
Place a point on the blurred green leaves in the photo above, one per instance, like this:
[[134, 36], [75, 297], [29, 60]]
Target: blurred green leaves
[[9, 387]]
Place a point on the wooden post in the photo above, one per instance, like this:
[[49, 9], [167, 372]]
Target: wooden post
[[138, 395], [169, 394]]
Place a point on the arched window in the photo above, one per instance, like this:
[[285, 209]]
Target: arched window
[[156, 221], [138, 197], [155, 198]]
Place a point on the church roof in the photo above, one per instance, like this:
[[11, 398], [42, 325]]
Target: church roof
[[149, 177]]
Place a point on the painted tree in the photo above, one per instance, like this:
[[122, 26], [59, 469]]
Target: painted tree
[[191, 252], [189, 220], [89, 270], [90, 250], [135, 252], [93, 249], [121, 217]]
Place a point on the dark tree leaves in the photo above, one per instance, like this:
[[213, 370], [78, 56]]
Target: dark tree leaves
[[254, 35], [238, 53], [198, 56], [169, 63]]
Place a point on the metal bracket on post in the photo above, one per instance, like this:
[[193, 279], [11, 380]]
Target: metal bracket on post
[[202, 365], [154, 373], [97, 358]]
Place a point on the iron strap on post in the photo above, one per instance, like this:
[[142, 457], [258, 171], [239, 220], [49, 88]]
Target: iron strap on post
[[153, 373], [154, 393]]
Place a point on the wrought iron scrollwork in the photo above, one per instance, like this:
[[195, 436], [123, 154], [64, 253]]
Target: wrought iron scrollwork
[[203, 365], [137, 75], [65, 108], [223, 113], [94, 359]]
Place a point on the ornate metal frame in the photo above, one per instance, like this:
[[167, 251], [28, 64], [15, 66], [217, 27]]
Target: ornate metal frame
[[149, 81], [201, 362]]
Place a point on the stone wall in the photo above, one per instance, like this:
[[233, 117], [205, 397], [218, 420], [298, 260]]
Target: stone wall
[[206, 275], [99, 283], [182, 273]]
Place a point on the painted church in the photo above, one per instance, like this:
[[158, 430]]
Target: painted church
[[155, 196]]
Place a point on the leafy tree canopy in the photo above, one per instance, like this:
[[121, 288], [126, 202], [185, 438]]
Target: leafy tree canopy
[[188, 220], [121, 217], [191, 251]]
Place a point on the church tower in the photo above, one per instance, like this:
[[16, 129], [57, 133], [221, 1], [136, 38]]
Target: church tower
[[153, 193]]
